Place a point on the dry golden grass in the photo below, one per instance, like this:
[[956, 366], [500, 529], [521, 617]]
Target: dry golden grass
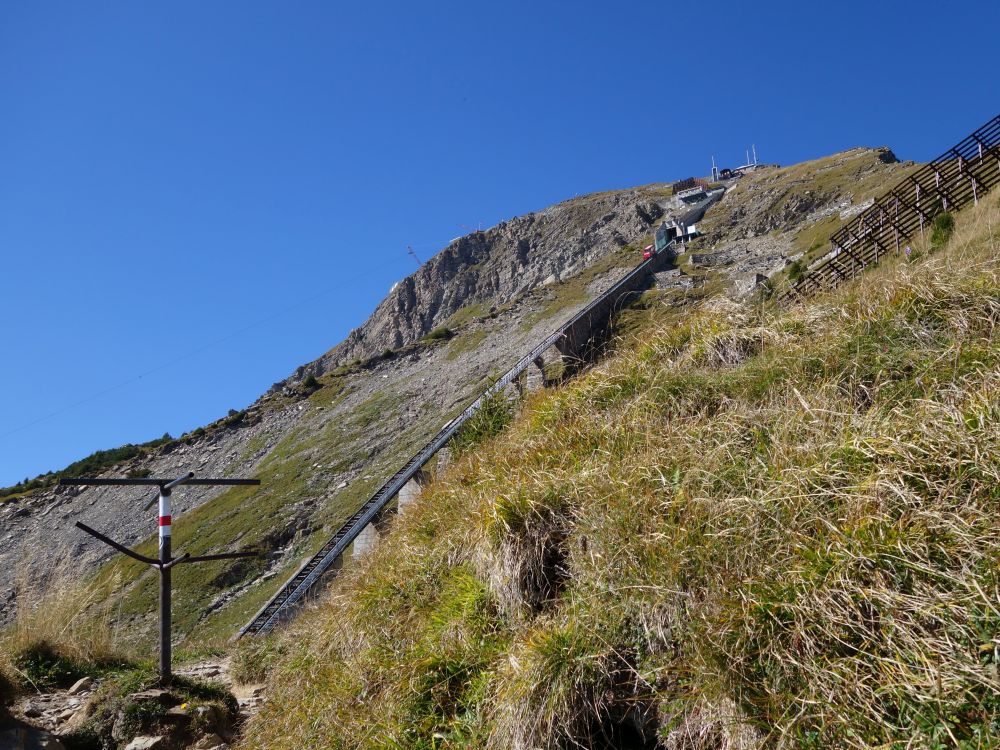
[[757, 528], [63, 628]]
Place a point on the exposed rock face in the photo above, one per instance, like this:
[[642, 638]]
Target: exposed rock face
[[763, 255], [673, 279], [781, 199], [494, 266]]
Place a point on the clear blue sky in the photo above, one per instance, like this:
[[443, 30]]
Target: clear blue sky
[[210, 194]]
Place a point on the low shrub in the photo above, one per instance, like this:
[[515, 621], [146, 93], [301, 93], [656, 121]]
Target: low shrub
[[441, 333], [47, 666], [942, 229], [251, 659], [489, 421], [796, 269]]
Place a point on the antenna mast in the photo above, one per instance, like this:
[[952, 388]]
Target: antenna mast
[[409, 249]]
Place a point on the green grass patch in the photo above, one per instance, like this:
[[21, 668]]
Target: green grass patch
[[466, 341], [492, 417], [441, 333], [467, 314]]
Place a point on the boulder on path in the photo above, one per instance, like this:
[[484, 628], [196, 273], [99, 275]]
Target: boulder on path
[[81, 686], [209, 742]]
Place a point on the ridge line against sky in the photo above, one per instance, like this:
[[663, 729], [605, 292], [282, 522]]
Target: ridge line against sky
[[173, 172]]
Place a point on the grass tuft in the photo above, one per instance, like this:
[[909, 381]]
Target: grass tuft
[[62, 631]]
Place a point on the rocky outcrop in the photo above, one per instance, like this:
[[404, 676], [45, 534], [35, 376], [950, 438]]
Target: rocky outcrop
[[780, 200], [492, 267], [763, 255]]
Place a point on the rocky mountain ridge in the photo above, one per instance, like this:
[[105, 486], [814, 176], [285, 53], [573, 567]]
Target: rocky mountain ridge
[[492, 267], [326, 437]]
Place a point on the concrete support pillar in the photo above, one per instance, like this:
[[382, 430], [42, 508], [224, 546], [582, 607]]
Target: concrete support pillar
[[534, 377], [410, 491], [365, 541], [370, 534]]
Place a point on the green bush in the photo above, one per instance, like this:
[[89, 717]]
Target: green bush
[[796, 270], [441, 333], [489, 421], [941, 229]]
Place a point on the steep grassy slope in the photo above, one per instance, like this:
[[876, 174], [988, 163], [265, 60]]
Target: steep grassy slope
[[750, 528], [323, 439]]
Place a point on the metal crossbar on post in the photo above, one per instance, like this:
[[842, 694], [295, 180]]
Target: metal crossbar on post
[[165, 561], [957, 178]]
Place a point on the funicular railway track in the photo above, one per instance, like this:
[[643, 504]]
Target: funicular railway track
[[283, 603], [957, 178]]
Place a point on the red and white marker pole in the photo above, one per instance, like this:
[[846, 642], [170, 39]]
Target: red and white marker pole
[[164, 517], [165, 583]]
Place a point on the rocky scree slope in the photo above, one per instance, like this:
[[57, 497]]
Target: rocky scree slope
[[324, 439]]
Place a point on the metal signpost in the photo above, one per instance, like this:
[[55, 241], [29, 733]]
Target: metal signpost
[[165, 561]]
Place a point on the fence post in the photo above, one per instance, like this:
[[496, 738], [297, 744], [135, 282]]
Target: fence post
[[895, 226], [919, 212]]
